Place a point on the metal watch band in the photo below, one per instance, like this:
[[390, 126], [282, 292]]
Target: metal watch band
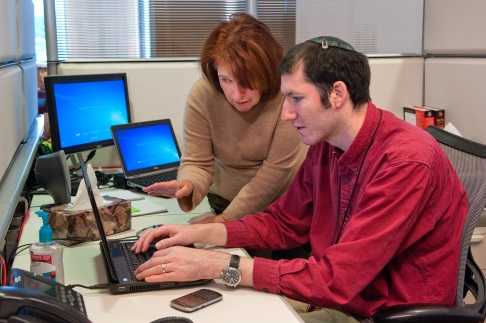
[[234, 261]]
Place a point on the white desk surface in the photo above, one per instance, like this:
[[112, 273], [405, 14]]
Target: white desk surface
[[83, 264]]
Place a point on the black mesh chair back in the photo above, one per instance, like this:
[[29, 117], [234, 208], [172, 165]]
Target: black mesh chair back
[[469, 161]]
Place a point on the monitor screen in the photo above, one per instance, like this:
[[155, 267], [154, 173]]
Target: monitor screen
[[82, 109], [145, 146]]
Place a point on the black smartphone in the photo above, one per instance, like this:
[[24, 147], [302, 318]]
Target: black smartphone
[[196, 300]]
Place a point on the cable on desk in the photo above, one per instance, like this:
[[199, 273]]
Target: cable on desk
[[16, 252], [97, 286], [129, 238], [139, 232], [71, 242]]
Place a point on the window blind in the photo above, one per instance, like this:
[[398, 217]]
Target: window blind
[[91, 29], [179, 28], [280, 17], [154, 29]]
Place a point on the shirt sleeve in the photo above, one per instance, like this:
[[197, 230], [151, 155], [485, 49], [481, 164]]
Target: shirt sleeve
[[284, 224], [197, 155], [285, 156], [379, 226]]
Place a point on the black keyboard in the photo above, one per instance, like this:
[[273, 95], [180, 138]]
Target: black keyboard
[[136, 259], [149, 180]]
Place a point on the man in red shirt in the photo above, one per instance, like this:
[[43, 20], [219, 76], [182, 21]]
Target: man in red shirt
[[376, 198]]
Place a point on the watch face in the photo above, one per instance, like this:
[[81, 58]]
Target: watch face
[[231, 276]]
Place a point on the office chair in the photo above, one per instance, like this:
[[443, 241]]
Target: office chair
[[469, 161]]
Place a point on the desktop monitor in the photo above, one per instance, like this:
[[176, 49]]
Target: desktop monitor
[[82, 109]]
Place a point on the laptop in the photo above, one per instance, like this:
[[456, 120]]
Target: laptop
[[148, 151], [120, 262]]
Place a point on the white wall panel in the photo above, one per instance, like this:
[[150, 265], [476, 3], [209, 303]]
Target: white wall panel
[[29, 97], [372, 26], [26, 31], [10, 112], [455, 27], [457, 85], [8, 31], [396, 82]]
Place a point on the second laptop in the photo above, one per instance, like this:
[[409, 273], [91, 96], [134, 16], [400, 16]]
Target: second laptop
[[148, 151]]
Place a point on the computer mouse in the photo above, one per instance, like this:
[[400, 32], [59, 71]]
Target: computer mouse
[[173, 319]]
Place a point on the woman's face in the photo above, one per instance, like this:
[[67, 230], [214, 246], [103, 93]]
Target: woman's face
[[242, 99]]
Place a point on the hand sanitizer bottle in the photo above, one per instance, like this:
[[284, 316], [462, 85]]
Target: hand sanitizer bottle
[[46, 255]]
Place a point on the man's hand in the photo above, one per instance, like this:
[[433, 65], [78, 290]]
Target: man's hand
[[208, 217], [169, 235], [182, 264], [181, 235]]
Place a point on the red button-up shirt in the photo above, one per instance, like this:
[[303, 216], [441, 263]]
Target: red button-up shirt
[[400, 241]]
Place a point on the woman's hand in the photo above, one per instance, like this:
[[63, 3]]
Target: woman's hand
[[178, 189]]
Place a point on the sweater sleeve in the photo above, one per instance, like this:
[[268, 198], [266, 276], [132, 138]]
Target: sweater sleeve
[[286, 153], [197, 155]]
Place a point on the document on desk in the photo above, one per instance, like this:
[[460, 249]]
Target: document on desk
[[124, 195], [147, 207]]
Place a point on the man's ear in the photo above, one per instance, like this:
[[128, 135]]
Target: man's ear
[[339, 94]]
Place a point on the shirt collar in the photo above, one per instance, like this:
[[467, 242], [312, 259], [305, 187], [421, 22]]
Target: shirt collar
[[352, 157]]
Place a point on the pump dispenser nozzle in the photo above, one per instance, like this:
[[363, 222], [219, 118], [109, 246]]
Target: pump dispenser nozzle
[[45, 232]]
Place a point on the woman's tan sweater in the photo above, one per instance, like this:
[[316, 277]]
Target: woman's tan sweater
[[249, 158]]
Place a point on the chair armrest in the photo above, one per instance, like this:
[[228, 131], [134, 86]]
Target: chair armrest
[[429, 314]]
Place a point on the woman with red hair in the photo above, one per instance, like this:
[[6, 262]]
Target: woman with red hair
[[236, 149]]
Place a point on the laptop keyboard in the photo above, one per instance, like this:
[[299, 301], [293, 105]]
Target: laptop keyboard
[[149, 180], [135, 259]]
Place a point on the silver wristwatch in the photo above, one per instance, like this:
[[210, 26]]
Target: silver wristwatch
[[231, 275]]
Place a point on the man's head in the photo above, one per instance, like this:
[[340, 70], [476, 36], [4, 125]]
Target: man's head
[[324, 80], [326, 60]]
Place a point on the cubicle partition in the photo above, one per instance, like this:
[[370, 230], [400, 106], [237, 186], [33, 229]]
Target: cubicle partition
[[18, 109], [457, 85], [10, 82], [455, 67], [455, 73]]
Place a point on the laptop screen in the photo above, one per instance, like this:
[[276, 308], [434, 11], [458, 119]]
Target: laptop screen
[[146, 146]]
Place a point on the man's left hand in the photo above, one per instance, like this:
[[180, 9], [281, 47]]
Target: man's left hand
[[182, 264]]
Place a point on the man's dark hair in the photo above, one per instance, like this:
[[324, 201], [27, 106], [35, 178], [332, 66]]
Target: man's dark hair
[[325, 64]]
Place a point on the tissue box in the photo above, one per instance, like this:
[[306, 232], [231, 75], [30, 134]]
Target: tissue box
[[81, 225]]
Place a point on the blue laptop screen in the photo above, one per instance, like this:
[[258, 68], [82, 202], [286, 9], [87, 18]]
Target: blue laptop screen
[[87, 110], [147, 146]]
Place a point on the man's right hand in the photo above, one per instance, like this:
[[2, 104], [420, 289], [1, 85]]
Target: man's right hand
[[168, 236], [182, 235], [178, 189]]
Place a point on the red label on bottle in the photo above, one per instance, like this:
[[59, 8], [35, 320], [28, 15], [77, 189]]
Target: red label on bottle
[[41, 258]]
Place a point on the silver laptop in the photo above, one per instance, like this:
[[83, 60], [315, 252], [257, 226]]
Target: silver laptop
[[148, 151]]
